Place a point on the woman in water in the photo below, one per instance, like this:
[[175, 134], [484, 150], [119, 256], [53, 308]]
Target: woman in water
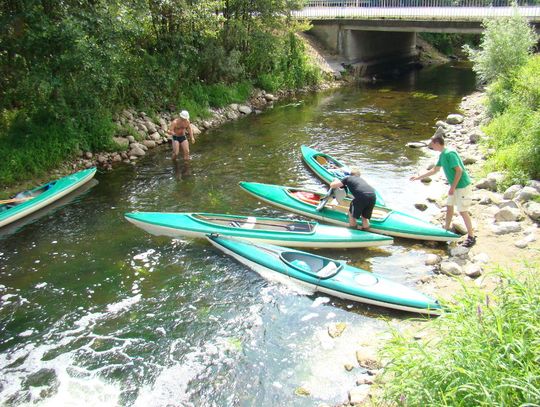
[[180, 129]]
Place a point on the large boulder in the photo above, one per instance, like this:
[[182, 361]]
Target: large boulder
[[454, 119]]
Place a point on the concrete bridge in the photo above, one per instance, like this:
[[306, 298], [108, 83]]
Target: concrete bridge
[[374, 35]]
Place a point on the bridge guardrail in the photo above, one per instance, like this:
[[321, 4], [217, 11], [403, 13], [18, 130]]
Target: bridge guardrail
[[463, 10]]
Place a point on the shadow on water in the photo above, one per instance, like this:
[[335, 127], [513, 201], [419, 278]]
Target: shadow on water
[[96, 311]]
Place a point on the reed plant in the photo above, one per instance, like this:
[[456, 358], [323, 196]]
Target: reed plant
[[484, 351]]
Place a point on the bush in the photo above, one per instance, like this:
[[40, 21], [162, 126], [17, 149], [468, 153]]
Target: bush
[[506, 44], [485, 354]]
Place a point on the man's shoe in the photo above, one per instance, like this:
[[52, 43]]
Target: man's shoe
[[469, 242]]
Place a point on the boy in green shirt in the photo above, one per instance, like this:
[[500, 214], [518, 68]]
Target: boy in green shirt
[[459, 194]]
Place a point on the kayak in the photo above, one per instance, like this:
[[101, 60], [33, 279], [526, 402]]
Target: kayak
[[318, 273], [287, 232], [328, 168], [27, 202], [385, 221]]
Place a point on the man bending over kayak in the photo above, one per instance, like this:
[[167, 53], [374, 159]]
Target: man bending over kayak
[[364, 197]]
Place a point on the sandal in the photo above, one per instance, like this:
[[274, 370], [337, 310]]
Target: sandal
[[469, 242]]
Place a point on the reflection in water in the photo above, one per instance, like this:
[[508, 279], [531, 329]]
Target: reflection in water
[[96, 311], [182, 169]]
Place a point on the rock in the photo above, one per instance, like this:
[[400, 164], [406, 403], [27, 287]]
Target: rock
[[507, 204], [481, 258], [440, 132], [367, 358], [150, 127], [196, 131], [121, 141], [136, 151], [527, 194], [302, 391], [475, 136], [487, 183], [508, 214], [521, 244], [450, 268], [359, 395], [426, 180], [454, 119], [244, 109], [511, 192], [504, 228], [337, 329], [535, 184], [472, 270], [88, 155], [459, 227], [131, 139], [269, 97], [432, 259], [459, 251], [532, 209], [149, 143], [420, 206], [155, 136], [469, 159], [364, 380], [232, 115]]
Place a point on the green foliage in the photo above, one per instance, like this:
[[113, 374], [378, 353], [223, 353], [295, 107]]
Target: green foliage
[[449, 44], [485, 352], [506, 44], [514, 132], [63, 64]]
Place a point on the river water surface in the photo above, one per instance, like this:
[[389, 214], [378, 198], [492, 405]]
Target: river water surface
[[95, 311]]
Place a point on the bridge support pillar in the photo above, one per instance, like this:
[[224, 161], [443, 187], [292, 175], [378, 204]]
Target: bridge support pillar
[[368, 52]]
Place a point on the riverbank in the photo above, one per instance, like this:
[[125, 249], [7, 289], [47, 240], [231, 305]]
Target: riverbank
[[506, 226]]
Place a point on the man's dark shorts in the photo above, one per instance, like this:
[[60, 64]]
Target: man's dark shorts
[[363, 207]]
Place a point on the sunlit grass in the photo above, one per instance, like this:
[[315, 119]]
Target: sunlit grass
[[485, 351]]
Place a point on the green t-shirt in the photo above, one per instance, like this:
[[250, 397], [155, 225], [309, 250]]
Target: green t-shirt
[[449, 160]]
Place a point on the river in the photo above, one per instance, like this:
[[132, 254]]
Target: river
[[96, 312]]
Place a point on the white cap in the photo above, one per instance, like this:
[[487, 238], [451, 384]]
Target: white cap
[[184, 114]]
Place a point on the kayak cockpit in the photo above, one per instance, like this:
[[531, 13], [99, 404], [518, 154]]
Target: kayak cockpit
[[251, 222], [316, 266]]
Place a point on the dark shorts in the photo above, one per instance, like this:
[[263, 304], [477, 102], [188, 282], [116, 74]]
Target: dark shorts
[[363, 207], [180, 139]]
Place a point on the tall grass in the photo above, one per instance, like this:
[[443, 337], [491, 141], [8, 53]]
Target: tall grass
[[486, 351]]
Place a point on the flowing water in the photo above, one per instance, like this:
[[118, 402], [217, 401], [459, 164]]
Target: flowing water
[[95, 311]]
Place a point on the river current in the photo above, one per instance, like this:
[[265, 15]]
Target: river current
[[96, 312]]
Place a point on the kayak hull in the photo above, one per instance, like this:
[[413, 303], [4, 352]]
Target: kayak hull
[[384, 221], [276, 231], [48, 193], [348, 282]]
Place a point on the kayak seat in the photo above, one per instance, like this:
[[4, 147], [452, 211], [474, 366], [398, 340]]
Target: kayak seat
[[235, 224], [327, 270]]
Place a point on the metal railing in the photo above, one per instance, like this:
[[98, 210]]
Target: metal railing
[[464, 10]]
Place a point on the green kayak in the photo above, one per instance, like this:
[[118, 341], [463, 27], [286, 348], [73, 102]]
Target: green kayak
[[27, 202], [287, 232], [385, 220], [317, 273], [327, 167]]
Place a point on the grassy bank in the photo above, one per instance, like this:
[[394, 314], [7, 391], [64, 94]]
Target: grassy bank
[[68, 68], [485, 352]]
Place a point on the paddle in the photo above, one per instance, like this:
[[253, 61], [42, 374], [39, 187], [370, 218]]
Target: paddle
[[15, 200]]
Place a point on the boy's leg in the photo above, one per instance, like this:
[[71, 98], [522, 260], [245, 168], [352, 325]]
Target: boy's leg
[[449, 216]]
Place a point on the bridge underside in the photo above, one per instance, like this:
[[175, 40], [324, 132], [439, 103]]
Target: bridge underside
[[368, 51]]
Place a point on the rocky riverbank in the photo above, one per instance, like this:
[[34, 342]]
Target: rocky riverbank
[[506, 225]]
